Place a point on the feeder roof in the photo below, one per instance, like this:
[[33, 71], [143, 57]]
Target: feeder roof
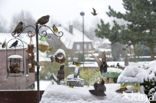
[[15, 56]]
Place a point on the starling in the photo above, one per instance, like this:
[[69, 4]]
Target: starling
[[14, 44], [19, 28], [99, 89], [60, 74], [4, 44], [55, 29], [43, 20], [94, 13]]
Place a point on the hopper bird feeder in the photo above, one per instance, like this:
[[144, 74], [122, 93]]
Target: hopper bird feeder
[[15, 57], [43, 45]]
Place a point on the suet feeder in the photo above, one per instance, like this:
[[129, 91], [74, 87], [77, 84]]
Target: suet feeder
[[43, 45]]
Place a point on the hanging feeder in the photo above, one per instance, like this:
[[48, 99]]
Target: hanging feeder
[[43, 45], [60, 56], [15, 62]]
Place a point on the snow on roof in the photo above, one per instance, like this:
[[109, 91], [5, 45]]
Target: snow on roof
[[15, 56], [8, 37], [68, 39]]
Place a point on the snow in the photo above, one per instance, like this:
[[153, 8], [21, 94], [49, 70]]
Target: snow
[[110, 69], [60, 51], [15, 56], [68, 39], [65, 94], [133, 73], [43, 84]]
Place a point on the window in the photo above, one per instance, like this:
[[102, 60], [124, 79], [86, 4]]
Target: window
[[78, 47]]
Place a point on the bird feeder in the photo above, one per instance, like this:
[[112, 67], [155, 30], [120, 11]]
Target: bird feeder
[[15, 63], [60, 56], [43, 45]]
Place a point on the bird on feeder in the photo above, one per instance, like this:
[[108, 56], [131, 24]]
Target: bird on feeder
[[14, 44], [94, 13], [55, 29], [43, 20], [76, 63], [19, 28], [4, 44]]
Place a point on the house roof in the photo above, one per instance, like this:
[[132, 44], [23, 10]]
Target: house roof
[[10, 39], [69, 39]]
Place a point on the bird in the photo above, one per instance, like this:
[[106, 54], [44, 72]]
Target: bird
[[94, 13], [76, 63], [43, 20], [60, 75], [4, 44], [19, 28], [14, 44], [121, 90], [100, 88], [55, 29]]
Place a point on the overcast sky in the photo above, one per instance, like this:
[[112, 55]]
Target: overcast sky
[[64, 11]]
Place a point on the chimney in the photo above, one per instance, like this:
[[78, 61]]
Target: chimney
[[71, 29]]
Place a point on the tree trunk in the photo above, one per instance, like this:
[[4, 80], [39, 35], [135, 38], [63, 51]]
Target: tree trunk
[[151, 46], [134, 45]]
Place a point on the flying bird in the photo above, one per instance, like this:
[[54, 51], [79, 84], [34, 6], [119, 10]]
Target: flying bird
[[94, 13], [55, 29], [4, 44], [19, 28], [14, 44], [43, 20]]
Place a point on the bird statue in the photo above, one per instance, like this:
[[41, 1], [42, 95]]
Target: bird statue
[[14, 44], [4, 44], [55, 29], [76, 72], [43, 20], [60, 75], [76, 63], [100, 88], [94, 13], [19, 28]]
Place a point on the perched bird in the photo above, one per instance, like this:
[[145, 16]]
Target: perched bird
[[121, 90], [60, 74], [43, 20], [99, 89], [94, 13], [4, 44], [19, 28], [14, 44], [76, 63], [55, 29]]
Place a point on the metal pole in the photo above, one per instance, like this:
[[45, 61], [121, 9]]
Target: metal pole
[[37, 58], [83, 39], [82, 14]]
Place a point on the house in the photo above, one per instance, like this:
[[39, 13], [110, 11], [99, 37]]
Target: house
[[73, 40], [17, 69]]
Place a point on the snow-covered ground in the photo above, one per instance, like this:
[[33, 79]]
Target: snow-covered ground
[[65, 94]]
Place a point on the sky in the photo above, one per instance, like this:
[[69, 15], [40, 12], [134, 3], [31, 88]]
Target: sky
[[63, 11]]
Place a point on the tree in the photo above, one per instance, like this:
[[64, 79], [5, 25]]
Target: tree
[[24, 16], [140, 15]]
